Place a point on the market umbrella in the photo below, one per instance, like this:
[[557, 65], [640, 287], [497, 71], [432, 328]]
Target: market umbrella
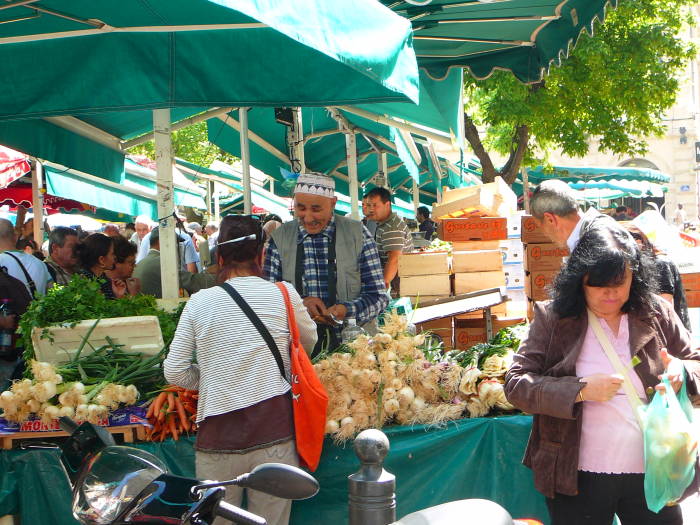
[[13, 165], [79, 57], [521, 36], [21, 195], [595, 173]]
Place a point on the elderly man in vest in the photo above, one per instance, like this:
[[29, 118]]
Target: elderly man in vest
[[332, 261]]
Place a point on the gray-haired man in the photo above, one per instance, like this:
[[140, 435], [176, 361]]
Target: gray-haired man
[[554, 207]]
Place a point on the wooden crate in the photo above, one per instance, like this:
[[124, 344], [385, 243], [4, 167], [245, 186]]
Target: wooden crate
[[423, 263], [492, 199], [475, 281], [477, 261], [425, 285], [135, 334], [128, 433]]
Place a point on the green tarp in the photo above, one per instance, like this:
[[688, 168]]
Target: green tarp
[[592, 173], [135, 196], [469, 458], [327, 153], [43, 140], [521, 36], [77, 57]]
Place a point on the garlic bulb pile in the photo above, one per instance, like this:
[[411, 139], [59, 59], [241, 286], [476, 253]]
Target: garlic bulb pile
[[386, 379], [47, 397]]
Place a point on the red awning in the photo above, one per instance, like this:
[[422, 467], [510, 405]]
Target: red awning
[[21, 195], [13, 165]]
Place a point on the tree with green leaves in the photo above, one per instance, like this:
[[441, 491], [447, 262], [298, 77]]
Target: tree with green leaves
[[191, 144], [615, 85]]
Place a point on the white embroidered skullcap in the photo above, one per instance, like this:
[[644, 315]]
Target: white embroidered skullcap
[[315, 184]]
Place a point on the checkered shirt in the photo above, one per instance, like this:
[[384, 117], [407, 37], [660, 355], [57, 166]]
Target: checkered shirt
[[372, 299]]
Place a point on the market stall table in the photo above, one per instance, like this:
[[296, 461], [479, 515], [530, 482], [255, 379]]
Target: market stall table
[[468, 458]]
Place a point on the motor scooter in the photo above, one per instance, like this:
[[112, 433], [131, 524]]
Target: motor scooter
[[120, 485]]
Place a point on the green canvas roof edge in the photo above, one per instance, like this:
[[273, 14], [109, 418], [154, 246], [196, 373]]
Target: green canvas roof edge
[[563, 52]]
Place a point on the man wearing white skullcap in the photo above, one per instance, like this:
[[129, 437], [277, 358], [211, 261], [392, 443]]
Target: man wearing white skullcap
[[332, 261]]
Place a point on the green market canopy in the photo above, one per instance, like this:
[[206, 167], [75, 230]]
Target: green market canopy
[[136, 196], [585, 174], [521, 36], [325, 151], [80, 57]]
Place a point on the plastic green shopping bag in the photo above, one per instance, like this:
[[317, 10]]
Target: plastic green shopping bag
[[670, 446]]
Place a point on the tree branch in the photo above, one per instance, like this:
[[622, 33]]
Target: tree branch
[[510, 170], [488, 171]]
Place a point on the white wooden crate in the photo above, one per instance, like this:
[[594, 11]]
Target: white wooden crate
[[136, 334]]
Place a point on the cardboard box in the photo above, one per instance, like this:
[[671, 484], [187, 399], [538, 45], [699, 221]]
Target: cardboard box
[[476, 229], [692, 297], [536, 284], [543, 257], [513, 251], [530, 231], [423, 263], [474, 281], [469, 332], [442, 328], [469, 246], [425, 285], [691, 281], [515, 223], [515, 276], [477, 261], [492, 199]]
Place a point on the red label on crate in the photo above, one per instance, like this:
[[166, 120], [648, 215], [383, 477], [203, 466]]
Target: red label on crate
[[475, 229]]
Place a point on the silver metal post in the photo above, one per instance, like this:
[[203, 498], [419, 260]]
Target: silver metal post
[[245, 160], [372, 498]]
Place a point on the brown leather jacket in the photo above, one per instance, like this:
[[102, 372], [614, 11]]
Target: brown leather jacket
[[542, 381]]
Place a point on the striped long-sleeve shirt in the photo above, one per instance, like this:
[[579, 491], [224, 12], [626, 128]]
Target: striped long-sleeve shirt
[[234, 367]]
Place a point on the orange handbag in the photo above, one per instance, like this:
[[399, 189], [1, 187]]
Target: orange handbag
[[309, 398]]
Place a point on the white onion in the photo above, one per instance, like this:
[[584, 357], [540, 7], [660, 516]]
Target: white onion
[[332, 426]]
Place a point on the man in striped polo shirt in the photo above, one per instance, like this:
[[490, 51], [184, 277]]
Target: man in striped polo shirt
[[392, 235]]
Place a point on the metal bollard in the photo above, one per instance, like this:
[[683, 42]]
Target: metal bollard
[[372, 498]]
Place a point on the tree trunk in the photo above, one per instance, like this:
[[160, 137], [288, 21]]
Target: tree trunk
[[488, 171], [510, 170]]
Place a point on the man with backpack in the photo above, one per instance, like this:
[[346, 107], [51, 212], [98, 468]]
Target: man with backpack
[[20, 265]]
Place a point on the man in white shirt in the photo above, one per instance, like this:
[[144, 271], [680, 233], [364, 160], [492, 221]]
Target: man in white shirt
[[554, 207], [143, 224], [20, 265], [188, 256]]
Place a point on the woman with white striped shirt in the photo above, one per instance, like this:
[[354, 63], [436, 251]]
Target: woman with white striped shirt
[[245, 411]]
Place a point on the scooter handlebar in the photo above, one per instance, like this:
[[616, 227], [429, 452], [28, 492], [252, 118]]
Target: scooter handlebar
[[67, 424], [238, 516]]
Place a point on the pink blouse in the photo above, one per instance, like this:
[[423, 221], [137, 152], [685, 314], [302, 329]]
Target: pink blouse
[[611, 441]]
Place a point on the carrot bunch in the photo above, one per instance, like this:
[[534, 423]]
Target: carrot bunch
[[173, 412]]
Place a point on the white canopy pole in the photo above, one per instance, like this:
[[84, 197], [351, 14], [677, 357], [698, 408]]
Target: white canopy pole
[[166, 204], [245, 160], [297, 140], [351, 155], [383, 167], [416, 195], [38, 202], [217, 204]]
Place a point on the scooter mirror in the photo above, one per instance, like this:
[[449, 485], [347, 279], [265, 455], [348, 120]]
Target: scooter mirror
[[283, 481]]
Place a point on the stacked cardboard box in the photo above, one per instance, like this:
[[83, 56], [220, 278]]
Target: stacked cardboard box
[[542, 261], [424, 275], [691, 285]]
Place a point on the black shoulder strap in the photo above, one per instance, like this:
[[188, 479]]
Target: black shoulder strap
[[264, 332], [30, 281]]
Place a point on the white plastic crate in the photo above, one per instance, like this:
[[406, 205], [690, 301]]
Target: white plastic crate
[[136, 334]]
